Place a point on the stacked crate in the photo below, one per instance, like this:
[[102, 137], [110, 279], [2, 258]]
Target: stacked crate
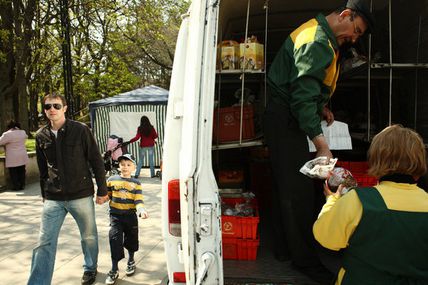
[[239, 234], [359, 172]]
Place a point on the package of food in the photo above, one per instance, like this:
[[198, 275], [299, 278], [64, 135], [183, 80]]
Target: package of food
[[229, 55], [319, 167], [340, 175], [251, 54]]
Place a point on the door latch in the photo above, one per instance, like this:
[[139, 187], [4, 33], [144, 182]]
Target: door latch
[[205, 224]]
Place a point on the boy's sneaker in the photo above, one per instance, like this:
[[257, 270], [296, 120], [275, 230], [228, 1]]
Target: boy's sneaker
[[130, 269], [112, 277]]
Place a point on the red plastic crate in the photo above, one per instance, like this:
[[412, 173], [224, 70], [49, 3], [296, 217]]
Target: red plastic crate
[[364, 180], [344, 164], [240, 249], [239, 227], [247, 249], [358, 166], [359, 172], [230, 248], [354, 166], [230, 178], [227, 122]]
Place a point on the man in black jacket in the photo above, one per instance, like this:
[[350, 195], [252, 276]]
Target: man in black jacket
[[66, 150]]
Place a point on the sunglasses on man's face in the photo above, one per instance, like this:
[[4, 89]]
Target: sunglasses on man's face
[[55, 105]]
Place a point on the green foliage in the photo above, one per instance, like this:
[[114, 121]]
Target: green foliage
[[116, 46], [30, 145]]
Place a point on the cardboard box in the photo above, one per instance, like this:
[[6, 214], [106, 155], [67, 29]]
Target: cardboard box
[[229, 55], [254, 55]]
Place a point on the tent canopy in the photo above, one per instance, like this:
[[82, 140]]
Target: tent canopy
[[151, 94], [120, 115]]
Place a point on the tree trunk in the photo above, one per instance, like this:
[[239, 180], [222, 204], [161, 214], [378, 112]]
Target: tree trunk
[[7, 66]]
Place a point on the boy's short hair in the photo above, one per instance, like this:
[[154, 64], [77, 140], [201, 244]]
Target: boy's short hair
[[397, 150], [127, 156]]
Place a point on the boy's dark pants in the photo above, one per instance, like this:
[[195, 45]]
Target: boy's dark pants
[[123, 234]]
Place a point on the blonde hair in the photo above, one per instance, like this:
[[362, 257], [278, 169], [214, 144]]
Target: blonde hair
[[397, 150]]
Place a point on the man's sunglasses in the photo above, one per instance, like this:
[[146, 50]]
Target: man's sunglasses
[[55, 105]]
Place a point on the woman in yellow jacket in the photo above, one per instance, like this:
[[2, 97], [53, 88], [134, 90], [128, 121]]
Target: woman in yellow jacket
[[383, 229]]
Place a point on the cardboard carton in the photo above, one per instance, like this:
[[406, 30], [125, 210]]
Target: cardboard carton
[[253, 54], [229, 55]]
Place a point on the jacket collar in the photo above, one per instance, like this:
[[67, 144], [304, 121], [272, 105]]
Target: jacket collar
[[322, 21], [398, 178]]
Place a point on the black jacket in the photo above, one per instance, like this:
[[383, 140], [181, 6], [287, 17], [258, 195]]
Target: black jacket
[[64, 162]]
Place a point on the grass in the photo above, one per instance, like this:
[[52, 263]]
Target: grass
[[30, 144]]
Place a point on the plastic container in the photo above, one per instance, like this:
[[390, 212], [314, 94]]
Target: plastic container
[[354, 166], [230, 178], [227, 122], [240, 249], [237, 226], [364, 180], [359, 172]]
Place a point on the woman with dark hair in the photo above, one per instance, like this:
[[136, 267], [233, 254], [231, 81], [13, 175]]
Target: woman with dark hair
[[384, 228], [147, 135], [13, 141]]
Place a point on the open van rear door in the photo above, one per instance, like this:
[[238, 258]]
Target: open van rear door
[[199, 201]]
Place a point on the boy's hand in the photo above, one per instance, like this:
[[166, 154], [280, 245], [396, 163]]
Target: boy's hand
[[142, 213], [328, 192], [101, 199]]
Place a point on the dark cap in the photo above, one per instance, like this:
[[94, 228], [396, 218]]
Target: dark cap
[[361, 7], [127, 156]]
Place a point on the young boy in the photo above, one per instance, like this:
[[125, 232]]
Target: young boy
[[126, 201]]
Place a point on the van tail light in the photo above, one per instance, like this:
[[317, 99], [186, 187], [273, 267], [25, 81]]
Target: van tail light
[[174, 219], [179, 277]]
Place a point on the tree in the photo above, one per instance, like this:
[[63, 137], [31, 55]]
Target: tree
[[116, 46], [16, 18]]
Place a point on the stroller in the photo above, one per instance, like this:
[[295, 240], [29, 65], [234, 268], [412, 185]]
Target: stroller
[[115, 148]]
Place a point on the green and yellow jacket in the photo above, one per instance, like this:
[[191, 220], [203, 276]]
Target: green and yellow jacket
[[303, 74]]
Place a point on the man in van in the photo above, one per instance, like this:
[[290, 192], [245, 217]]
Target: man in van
[[301, 80]]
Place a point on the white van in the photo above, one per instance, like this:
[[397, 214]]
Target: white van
[[201, 87]]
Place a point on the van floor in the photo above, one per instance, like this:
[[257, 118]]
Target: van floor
[[267, 270]]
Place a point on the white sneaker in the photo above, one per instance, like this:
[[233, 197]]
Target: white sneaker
[[112, 277], [130, 269]]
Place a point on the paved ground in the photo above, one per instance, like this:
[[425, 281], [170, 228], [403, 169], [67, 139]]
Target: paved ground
[[19, 227]]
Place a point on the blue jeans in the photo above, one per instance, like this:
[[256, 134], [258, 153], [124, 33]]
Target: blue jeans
[[54, 212], [143, 150]]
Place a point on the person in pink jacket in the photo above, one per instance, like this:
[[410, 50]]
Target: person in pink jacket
[[13, 140], [147, 135]]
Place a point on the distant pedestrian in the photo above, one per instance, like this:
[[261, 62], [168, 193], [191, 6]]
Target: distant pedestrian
[[126, 202], [147, 135], [66, 150], [13, 141]]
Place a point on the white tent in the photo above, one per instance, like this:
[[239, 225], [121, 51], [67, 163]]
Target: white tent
[[120, 115]]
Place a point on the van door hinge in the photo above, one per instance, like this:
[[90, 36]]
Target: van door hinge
[[205, 225]]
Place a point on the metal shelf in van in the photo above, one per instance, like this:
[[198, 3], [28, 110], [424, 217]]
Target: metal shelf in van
[[230, 145], [239, 71]]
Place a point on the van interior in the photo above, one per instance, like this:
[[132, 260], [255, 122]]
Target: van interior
[[383, 81]]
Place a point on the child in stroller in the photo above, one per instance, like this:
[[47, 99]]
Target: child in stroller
[[115, 148]]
